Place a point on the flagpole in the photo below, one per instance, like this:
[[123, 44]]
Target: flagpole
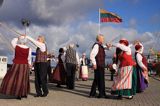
[[99, 22]]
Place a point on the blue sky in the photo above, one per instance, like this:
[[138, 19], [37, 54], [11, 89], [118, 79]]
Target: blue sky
[[142, 11], [144, 15]]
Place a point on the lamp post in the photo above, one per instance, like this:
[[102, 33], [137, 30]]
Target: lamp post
[[25, 23], [1, 2]]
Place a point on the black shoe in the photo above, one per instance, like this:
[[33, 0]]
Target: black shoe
[[101, 96], [24, 96], [106, 96], [19, 98], [38, 95], [45, 94], [119, 97], [92, 96], [59, 86]]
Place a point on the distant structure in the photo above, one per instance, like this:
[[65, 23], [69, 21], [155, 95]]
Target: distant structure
[[1, 2], [3, 66]]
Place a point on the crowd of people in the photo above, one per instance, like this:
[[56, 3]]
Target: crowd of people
[[131, 75]]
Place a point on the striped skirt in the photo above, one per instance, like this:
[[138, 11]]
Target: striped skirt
[[16, 81], [123, 79], [128, 92]]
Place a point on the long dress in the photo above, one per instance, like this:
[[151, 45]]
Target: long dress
[[123, 83], [83, 69], [142, 83], [59, 73], [16, 80]]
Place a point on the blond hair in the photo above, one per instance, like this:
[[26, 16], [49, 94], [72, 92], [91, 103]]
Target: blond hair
[[42, 38]]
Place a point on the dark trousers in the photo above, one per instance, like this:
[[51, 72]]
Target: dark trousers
[[112, 74], [41, 78], [71, 69], [98, 81], [49, 70]]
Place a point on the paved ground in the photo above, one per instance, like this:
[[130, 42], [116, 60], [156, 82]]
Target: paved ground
[[79, 96]]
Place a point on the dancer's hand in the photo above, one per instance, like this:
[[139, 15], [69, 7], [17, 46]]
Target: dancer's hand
[[30, 66], [94, 67], [136, 42], [21, 36], [108, 45]]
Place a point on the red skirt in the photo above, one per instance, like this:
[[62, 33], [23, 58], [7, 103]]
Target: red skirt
[[59, 74], [16, 81]]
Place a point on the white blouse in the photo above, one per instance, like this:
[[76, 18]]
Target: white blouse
[[139, 57], [14, 44], [42, 46], [139, 61], [127, 49]]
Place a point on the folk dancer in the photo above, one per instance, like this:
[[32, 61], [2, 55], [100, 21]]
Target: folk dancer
[[16, 81], [141, 67], [97, 57], [122, 85], [40, 66]]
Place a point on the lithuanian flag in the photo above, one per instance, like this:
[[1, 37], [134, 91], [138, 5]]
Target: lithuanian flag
[[106, 16]]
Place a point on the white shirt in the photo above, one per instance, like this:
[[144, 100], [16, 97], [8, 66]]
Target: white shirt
[[41, 45], [14, 44], [123, 47], [94, 53]]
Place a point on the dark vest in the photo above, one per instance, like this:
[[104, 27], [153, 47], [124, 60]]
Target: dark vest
[[71, 56], [21, 55], [100, 57], [60, 59], [41, 56]]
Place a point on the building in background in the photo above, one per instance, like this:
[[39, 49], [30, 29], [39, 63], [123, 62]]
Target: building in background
[[3, 66]]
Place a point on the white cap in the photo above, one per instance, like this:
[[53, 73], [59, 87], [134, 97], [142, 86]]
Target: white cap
[[22, 39]]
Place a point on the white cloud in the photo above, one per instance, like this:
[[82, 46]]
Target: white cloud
[[62, 22], [45, 12], [84, 34], [155, 19], [132, 23]]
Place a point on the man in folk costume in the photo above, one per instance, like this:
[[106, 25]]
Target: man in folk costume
[[72, 61], [40, 66], [97, 57], [141, 67], [122, 85], [16, 81]]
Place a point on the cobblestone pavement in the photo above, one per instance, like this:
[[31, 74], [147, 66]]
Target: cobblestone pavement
[[79, 96]]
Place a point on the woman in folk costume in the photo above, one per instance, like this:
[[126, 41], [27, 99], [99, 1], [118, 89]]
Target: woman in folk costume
[[16, 81], [59, 74], [83, 67], [141, 67], [123, 84]]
